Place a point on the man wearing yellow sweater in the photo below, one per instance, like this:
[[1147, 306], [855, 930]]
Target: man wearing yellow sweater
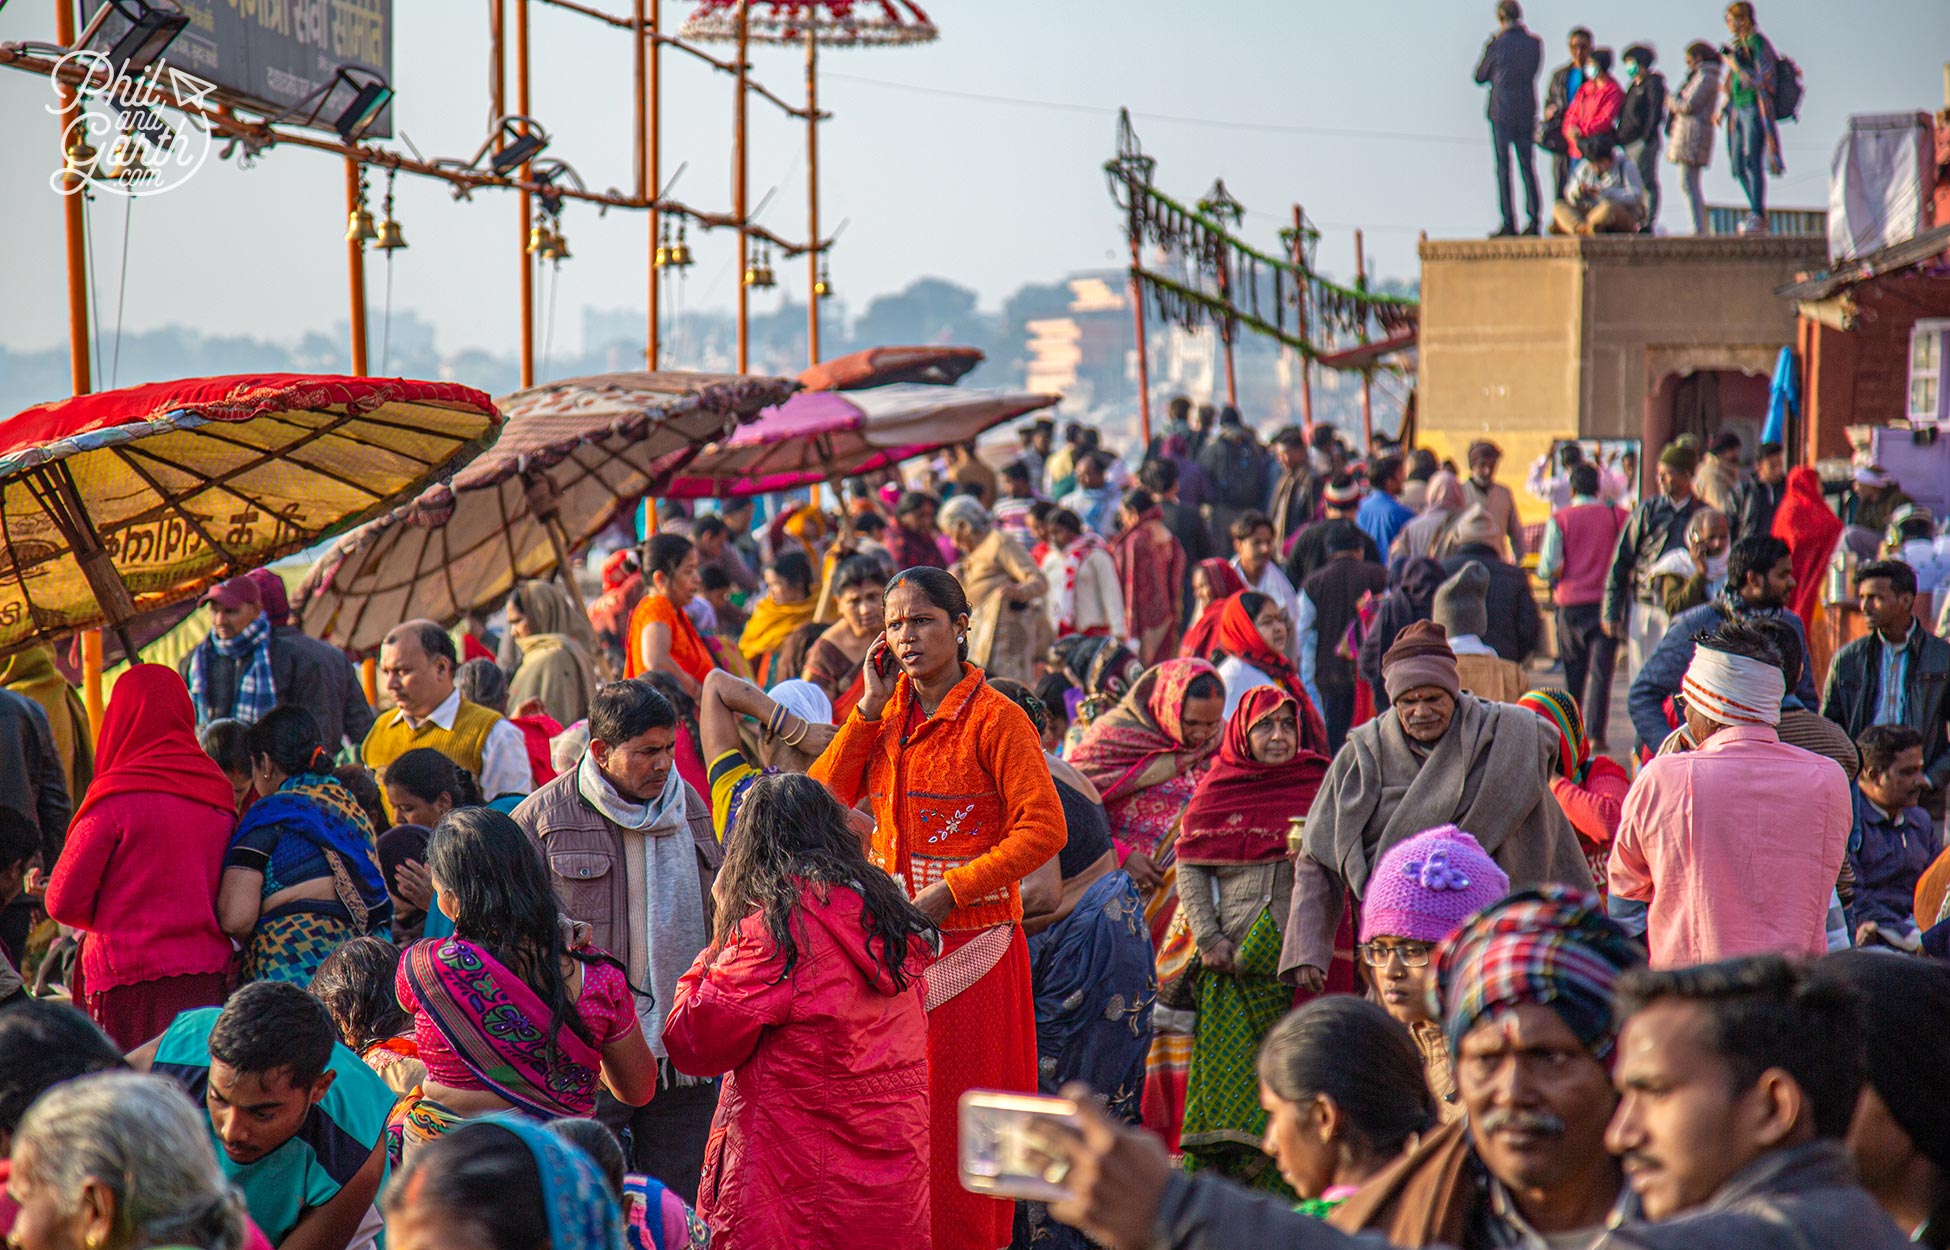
[[417, 662]]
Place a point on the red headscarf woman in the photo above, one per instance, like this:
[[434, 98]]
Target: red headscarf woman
[[144, 853], [1234, 879], [1253, 660], [1213, 582], [1810, 528]]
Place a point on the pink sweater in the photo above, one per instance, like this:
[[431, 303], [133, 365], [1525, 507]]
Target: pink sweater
[[139, 876]]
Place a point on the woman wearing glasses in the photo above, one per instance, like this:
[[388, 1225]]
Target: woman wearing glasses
[[1422, 891]]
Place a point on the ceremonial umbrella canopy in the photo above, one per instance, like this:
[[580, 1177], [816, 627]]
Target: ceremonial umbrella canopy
[[115, 504], [882, 366], [835, 23], [573, 455], [822, 435]]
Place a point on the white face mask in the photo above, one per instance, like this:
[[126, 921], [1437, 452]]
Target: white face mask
[[1716, 568]]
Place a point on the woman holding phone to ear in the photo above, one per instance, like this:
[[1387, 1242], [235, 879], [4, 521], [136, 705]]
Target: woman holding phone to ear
[[964, 808]]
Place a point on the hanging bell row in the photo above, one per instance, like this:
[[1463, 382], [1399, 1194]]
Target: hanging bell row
[[546, 240], [672, 254], [758, 271]]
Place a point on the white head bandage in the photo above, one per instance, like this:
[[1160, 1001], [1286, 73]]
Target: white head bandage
[[804, 700], [1733, 689]]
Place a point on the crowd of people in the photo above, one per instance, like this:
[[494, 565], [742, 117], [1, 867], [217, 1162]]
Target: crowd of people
[[1209, 786], [1605, 138]]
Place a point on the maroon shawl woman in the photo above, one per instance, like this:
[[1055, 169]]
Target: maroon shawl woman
[[1151, 568], [1240, 639], [1810, 528], [1240, 811], [1203, 637]]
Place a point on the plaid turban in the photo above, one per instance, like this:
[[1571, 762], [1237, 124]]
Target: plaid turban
[[1552, 946]]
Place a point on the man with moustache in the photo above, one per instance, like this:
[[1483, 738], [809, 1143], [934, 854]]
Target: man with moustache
[[1526, 992]]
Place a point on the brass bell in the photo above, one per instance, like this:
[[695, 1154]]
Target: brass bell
[[555, 245], [538, 238], [751, 275], [662, 259], [823, 285], [389, 238], [680, 253], [358, 227], [561, 247], [81, 154]]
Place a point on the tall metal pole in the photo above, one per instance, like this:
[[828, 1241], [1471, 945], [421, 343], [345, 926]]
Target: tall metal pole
[[1306, 362], [1137, 317], [527, 204], [738, 190], [1367, 375], [355, 259], [647, 171], [80, 377], [812, 193]]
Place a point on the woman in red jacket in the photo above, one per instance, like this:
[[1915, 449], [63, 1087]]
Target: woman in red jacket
[[811, 999], [963, 809], [1595, 109], [139, 872]]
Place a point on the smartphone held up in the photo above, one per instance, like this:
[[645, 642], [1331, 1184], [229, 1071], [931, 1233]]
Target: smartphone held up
[[1012, 1145]]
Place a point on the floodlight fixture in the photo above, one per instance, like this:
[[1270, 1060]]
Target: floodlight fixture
[[153, 26]]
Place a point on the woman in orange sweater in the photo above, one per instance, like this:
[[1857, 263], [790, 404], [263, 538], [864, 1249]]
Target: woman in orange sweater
[[963, 809]]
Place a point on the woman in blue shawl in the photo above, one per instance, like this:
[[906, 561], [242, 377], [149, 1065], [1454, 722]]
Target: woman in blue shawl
[[302, 874], [504, 1183]]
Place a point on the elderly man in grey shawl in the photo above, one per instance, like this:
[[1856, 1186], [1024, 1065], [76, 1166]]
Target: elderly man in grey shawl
[[1436, 757], [631, 851]]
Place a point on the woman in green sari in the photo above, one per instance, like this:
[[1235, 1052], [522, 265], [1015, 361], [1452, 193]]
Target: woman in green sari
[[1234, 884]]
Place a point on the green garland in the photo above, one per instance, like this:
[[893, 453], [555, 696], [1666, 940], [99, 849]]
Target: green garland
[[1238, 276]]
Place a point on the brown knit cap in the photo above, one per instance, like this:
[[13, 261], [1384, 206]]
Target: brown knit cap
[[1420, 657]]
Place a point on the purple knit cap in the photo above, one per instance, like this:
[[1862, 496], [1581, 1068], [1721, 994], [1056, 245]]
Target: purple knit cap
[[1425, 888]]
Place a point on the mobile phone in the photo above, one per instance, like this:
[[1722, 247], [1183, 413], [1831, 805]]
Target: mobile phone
[[882, 658], [1005, 1149]]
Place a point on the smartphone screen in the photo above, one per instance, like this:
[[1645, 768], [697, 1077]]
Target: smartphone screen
[[1005, 1148]]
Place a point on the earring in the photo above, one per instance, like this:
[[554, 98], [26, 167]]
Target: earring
[[93, 1241], [961, 637]]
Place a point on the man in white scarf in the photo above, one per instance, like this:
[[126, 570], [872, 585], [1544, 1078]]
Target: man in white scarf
[[1733, 845], [631, 852]]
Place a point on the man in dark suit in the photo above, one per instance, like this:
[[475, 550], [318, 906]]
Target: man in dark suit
[[1509, 68], [1565, 81]]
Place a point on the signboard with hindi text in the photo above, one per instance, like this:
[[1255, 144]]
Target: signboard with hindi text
[[272, 54]]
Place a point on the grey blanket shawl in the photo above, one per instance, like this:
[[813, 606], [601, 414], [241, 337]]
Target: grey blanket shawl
[[1489, 775]]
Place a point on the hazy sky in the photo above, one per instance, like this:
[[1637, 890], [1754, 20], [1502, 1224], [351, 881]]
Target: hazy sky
[[976, 159]]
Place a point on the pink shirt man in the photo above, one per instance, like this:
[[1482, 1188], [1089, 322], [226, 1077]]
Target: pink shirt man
[[1735, 847]]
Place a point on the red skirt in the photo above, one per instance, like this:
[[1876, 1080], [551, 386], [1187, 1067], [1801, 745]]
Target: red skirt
[[982, 1038], [138, 1013]]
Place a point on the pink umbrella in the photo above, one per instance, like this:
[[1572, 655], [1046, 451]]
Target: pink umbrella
[[818, 436]]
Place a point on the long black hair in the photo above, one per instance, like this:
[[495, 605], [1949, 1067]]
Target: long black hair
[[290, 738], [792, 833], [503, 900]]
